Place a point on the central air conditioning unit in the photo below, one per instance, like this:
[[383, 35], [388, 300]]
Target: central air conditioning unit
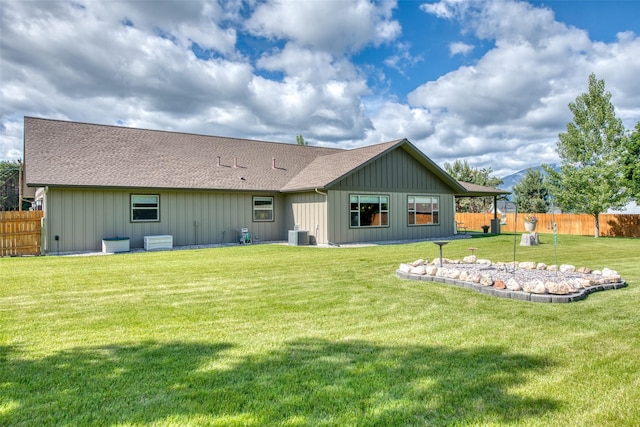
[[298, 237]]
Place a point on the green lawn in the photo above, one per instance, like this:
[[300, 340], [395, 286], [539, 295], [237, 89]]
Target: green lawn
[[279, 335]]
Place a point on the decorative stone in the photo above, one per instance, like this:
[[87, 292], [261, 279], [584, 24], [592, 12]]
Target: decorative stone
[[484, 262], [527, 265], [567, 268], [431, 270], [421, 270], [453, 274], [527, 286], [475, 277], [486, 280], [557, 288], [470, 259], [535, 286], [513, 285], [405, 268]]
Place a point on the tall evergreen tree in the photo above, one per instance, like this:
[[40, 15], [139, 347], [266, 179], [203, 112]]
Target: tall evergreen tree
[[530, 194], [590, 178]]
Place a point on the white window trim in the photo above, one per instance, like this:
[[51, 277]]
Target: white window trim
[[380, 196], [409, 210]]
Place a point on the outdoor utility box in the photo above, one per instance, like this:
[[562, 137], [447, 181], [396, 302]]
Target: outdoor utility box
[[113, 245], [298, 237], [158, 242], [495, 226]]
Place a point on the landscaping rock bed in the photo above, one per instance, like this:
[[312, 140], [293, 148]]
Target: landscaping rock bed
[[527, 281]]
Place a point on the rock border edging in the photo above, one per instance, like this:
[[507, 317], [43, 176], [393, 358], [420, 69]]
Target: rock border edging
[[577, 295]]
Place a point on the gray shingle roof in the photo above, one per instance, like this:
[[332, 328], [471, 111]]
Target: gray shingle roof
[[62, 153], [79, 154]]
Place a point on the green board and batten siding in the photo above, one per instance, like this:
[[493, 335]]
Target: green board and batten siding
[[83, 217], [398, 175]]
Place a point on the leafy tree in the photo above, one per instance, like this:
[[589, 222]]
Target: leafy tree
[[300, 140], [631, 163], [590, 178], [9, 192], [530, 194], [461, 171]]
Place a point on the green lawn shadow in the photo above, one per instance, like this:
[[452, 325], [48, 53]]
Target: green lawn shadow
[[305, 382]]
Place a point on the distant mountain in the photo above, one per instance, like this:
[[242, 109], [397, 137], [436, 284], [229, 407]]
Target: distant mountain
[[511, 180]]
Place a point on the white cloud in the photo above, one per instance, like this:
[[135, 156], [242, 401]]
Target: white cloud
[[511, 104], [276, 69], [336, 27], [460, 48]]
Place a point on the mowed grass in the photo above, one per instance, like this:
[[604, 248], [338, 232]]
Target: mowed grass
[[279, 335]]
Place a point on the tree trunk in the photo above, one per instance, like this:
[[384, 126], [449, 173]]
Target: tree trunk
[[597, 233]]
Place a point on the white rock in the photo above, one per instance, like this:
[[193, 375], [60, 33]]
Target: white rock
[[567, 268], [484, 261], [405, 268], [513, 285], [421, 270], [541, 266], [453, 274], [418, 263], [606, 272], [557, 288], [470, 259], [474, 277], [527, 265], [431, 270], [486, 280], [535, 286]]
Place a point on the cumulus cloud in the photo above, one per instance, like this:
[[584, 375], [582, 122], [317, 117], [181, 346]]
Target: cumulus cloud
[[460, 48], [180, 66], [335, 27], [512, 102], [275, 69]]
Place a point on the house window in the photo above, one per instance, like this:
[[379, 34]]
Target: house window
[[263, 208], [369, 210], [423, 210], [145, 207]]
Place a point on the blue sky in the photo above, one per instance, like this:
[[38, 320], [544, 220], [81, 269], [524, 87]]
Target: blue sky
[[484, 81]]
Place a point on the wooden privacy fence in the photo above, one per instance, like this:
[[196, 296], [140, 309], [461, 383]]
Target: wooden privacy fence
[[577, 224], [20, 233]]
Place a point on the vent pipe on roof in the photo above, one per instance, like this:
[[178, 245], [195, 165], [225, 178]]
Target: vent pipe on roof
[[235, 162], [219, 161], [273, 163]]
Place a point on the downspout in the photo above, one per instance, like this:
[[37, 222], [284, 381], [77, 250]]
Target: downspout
[[326, 199], [44, 224]]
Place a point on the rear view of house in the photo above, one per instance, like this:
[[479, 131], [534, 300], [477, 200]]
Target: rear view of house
[[96, 182]]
